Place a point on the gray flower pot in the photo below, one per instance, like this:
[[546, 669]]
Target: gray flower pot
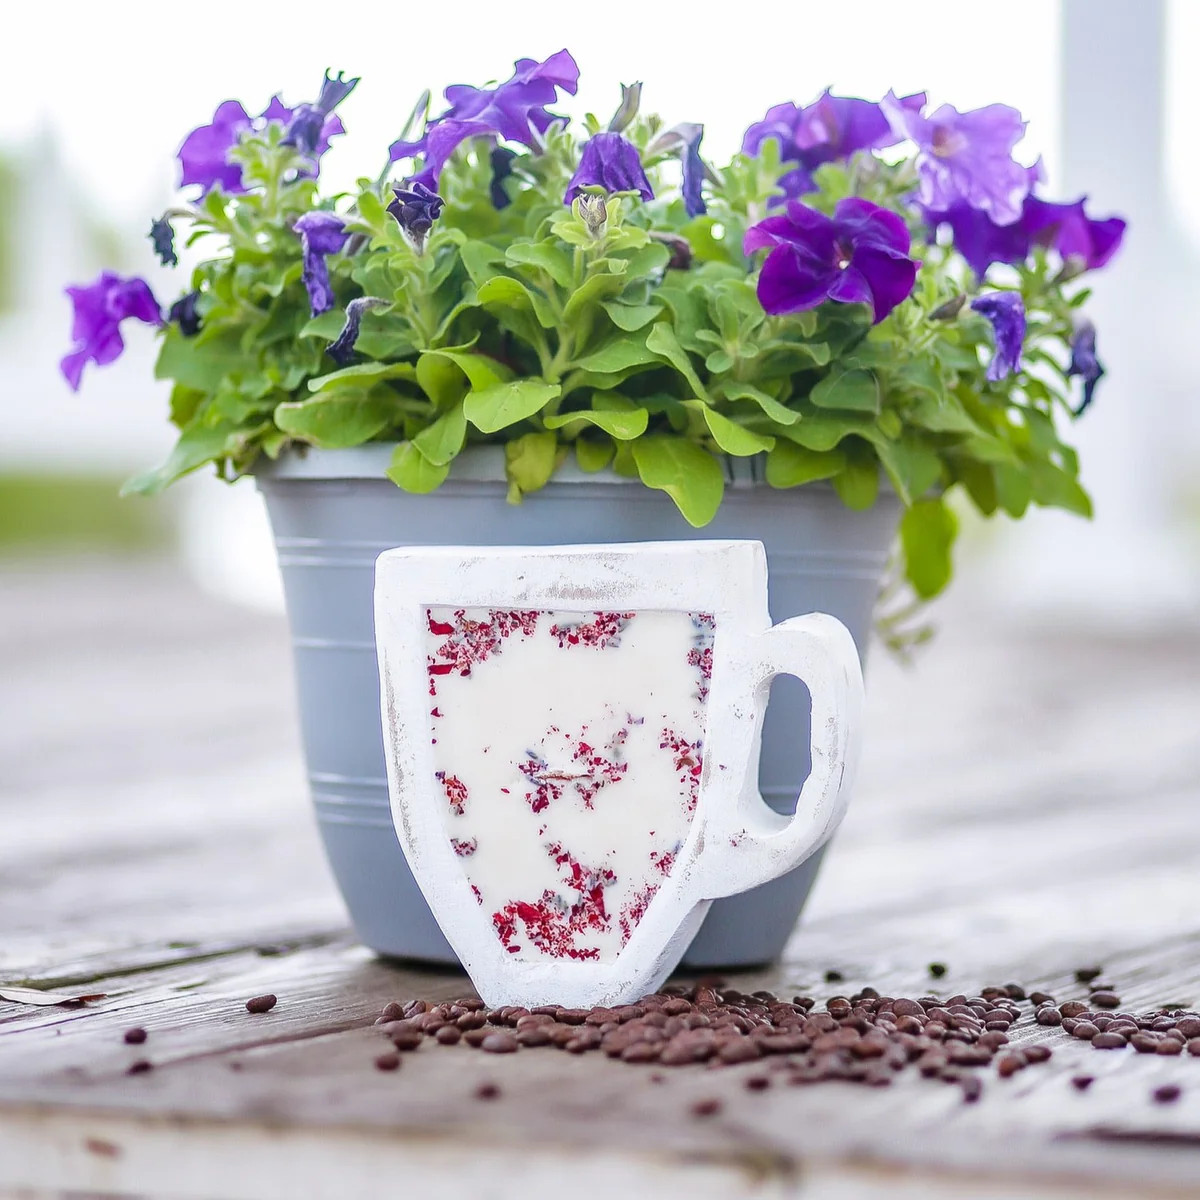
[[334, 511]]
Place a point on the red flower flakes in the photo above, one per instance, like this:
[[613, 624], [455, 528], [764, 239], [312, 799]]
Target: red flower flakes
[[469, 641], [604, 631], [552, 924], [456, 791], [464, 847], [689, 764]]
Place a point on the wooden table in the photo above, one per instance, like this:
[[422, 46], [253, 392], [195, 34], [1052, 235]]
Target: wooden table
[[1030, 802]]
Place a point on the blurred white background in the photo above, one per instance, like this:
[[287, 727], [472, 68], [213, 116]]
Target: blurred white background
[[92, 121]]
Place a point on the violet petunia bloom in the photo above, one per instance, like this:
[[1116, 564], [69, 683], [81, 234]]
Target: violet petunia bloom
[[306, 126], [321, 233], [857, 256], [1085, 241], [966, 158], [830, 129], [693, 173], [99, 310], [1006, 311], [183, 313], [162, 238], [341, 350], [515, 110], [415, 208], [204, 155], [612, 163], [1085, 364]]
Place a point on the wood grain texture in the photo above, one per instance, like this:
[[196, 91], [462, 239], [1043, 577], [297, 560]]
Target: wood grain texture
[[1029, 803]]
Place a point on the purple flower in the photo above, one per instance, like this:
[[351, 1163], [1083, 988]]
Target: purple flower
[[1084, 363], [1088, 242], [99, 310], [693, 175], [204, 155], [966, 157], [1006, 311], [415, 208], [831, 128], [612, 163], [514, 110], [162, 238], [857, 256], [501, 159], [341, 350], [183, 313], [306, 126], [321, 233]]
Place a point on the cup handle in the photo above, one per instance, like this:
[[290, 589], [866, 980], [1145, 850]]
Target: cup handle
[[751, 844]]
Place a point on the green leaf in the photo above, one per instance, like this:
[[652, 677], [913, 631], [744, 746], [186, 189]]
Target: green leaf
[[202, 365], [413, 472], [857, 484], [617, 355], [338, 417], [481, 371], [912, 466], [592, 291], [622, 425], [943, 414], [1055, 488], [529, 461], [491, 409], [363, 373], [481, 260], [927, 532], [789, 465], [630, 317], [440, 380], [197, 445], [593, 456], [442, 440], [732, 438], [685, 471], [769, 405], [855, 390], [506, 296], [546, 256], [326, 327], [663, 342], [1014, 490], [824, 430]]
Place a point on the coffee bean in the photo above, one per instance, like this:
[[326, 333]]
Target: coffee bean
[[1109, 1041], [972, 1089], [1087, 974], [577, 1016], [415, 1006], [1072, 1008], [993, 1040], [499, 1043], [834, 977], [1106, 1000], [1189, 1027], [641, 1052], [757, 1083], [1169, 1046], [534, 1035], [1010, 1064], [387, 1062], [1015, 991], [1048, 1016], [1144, 1043], [391, 1012], [449, 1035], [1084, 1031], [937, 969], [674, 1008], [135, 1036], [706, 1108], [1037, 1053], [1082, 1082], [261, 1004], [1040, 998], [1167, 1093]]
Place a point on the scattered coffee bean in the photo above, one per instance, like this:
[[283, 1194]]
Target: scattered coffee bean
[[1040, 998], [1084, 1031], [937, 969], [1169, 1046], [1082, 1082], [834, 977], [391, 1012], [1167, 1093], [1072, 1008], [1106, 1000], [1193, 1047], [706, 1108], [1037, 1053], [1087, 974], [140, 1067], [261, 1004], [448, 1035], [757, 1083], [1109, 1041], [1010, 1064], [1048, 1016], [499, 1043], [135, 1036], [487, 1091], [387, 1062], [405, 1039]]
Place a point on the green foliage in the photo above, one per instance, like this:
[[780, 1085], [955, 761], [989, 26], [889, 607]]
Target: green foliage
[[526, 327]]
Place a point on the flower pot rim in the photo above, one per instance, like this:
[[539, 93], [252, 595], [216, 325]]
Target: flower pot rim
[[474, 464]]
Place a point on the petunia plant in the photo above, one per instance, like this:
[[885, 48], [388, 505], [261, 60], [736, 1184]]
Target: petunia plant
[[869, 294]]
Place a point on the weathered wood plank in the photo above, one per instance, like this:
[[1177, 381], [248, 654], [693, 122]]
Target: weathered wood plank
[[1028, 805]]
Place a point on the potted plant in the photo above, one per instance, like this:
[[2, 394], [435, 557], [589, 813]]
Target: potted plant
[[525, 333]]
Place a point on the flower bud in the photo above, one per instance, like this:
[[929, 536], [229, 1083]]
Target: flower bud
[[631, 99], [593, 212]]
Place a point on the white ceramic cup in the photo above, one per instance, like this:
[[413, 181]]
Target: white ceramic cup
[[572, 739]]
